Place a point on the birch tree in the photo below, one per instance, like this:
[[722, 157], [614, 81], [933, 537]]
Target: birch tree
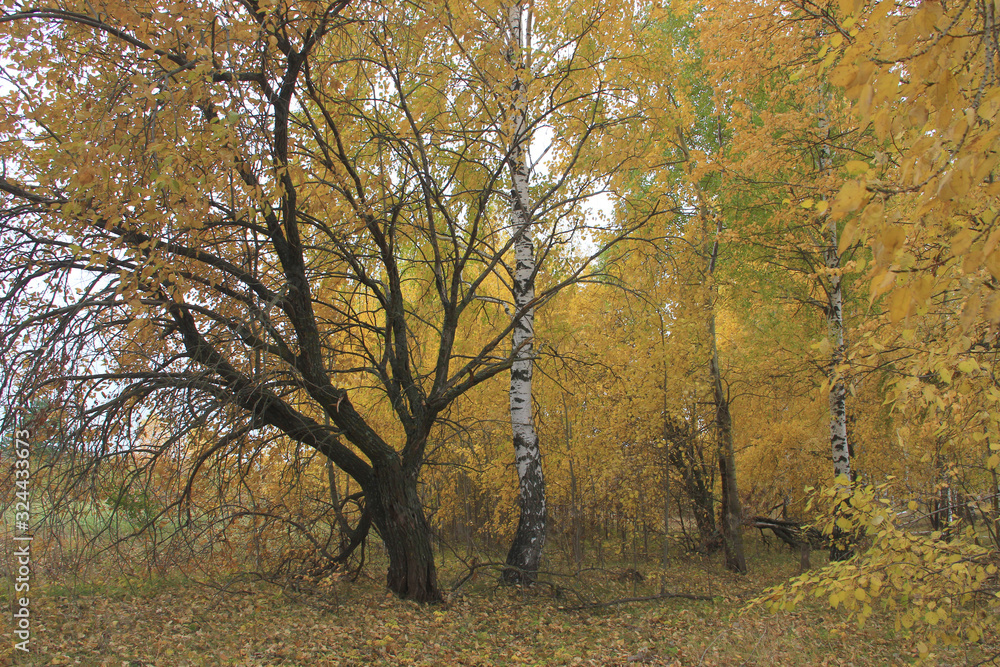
[[526, 550], [834, 310]]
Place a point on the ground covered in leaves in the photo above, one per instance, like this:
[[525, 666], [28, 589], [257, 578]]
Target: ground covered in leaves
[[355, 624]]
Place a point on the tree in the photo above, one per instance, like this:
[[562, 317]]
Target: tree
[[526, 550], [793, 134], [267, 216]]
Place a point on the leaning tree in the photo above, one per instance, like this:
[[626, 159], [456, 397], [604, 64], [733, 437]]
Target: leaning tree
[[288, 219]]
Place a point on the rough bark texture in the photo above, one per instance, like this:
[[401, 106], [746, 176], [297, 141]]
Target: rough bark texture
[[526, 550], [399, 518]]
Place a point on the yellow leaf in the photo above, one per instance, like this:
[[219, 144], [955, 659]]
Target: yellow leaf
[[844, 75], [847, 236], [993, 264], [856, 167], [992, 312], [865, 100], [968, 366], [990, 105], [962, 241], [892, 238], [899, 304], [972, 262], [970, 310], [850, 198]]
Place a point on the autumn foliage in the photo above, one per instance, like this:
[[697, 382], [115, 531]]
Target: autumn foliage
[[272, 274]]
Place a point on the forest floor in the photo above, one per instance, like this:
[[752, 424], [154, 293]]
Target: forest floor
[[178, 622]]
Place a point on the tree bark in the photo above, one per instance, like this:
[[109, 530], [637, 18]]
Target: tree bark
[[665, 555], [576, 513], [526, 550], [838, 391], [732, 533], [996, 508], [839, 549], [399, 518]]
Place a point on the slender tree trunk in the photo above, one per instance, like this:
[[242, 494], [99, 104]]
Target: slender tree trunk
[[839, 550], [732, 533], [732, 528], [331, 476], [398, 515], [665, 556], [996, 509], [342, 524], [526, 551], [838, 391], [576, 513]]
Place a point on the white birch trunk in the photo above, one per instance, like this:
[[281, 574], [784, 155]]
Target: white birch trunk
[[835, 332], [840, 550], [838, 391], [526, 550]]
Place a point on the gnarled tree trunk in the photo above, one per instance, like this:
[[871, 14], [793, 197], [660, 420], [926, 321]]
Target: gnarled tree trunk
[[398, 515]]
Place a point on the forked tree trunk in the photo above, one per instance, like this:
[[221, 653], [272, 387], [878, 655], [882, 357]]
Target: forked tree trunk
[[526, 550], [732, 529], [398, 515], [732, 532]]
